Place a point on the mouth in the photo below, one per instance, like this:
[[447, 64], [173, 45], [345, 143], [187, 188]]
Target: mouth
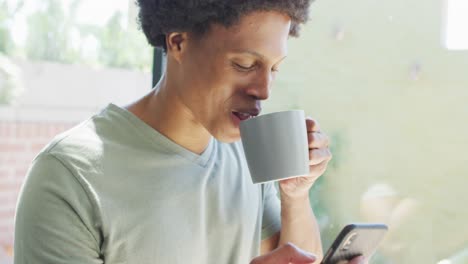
[[246, 114]]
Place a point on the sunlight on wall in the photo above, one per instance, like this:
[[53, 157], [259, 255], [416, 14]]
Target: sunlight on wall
[[456, 25]]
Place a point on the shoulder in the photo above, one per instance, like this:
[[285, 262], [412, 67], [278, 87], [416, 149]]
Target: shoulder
[[82, 147], [79, 145]]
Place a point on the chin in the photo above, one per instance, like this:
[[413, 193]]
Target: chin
[[229, 135], [227, 138]]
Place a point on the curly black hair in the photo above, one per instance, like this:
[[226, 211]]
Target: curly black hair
[[160, 17]]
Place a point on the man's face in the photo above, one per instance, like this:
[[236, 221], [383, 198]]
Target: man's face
[[229, 71]]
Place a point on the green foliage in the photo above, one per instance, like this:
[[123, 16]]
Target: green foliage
[[123, 48], [49, 34], [55, 35], [6, 16], [10, 85], [10, 81]]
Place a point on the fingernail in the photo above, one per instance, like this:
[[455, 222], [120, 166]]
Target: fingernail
[[310, 255]]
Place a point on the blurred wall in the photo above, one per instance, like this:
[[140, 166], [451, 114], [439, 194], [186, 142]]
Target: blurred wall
[[395, 101]]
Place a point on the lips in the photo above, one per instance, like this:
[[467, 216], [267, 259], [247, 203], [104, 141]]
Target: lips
[[242, 116], [246, 114]]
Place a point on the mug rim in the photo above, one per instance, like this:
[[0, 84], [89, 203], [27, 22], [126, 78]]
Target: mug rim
[[273, 113]]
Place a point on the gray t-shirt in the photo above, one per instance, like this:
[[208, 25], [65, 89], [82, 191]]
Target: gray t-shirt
[[114, 190]]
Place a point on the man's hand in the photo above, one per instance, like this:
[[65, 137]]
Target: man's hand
[[319, 156], [287, 253], [290, 254]]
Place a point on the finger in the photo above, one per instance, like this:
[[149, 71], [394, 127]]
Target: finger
[[318, 140], [312, 125], [317, 156], [287, 253], [358, 260], [315, 171]]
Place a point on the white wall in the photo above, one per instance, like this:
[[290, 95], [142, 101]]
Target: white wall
[[61, 92]]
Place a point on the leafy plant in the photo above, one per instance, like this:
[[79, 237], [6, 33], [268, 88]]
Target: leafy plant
[[10, 81]]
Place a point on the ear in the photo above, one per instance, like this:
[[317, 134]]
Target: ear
[[176, 43]]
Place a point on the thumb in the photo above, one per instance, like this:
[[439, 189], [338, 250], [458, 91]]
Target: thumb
[[285, 254]]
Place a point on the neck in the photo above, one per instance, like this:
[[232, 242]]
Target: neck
[[163, 110]]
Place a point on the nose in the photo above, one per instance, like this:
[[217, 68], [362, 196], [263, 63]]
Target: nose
[[261, 86]]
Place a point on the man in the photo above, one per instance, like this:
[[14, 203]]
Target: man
[[164, 179]]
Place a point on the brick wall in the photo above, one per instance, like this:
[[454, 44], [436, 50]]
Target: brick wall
[[19, 144]]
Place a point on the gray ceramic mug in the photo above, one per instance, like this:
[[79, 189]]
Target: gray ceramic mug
[[276, 146]]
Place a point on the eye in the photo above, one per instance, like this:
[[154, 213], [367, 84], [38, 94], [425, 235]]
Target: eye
[[243, 67]]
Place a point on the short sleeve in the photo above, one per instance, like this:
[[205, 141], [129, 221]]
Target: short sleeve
[[54, 221], [271, 221]]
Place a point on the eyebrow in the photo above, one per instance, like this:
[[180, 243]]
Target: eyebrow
[[256, 54]]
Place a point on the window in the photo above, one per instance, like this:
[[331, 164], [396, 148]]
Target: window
[[60, 62], [456, 25], [394, 101]]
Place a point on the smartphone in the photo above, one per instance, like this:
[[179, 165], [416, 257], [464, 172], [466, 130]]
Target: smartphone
[[355, 240]]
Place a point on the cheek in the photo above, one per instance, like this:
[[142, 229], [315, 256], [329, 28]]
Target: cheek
[[213, 87], [209, 81], [220, 84]]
